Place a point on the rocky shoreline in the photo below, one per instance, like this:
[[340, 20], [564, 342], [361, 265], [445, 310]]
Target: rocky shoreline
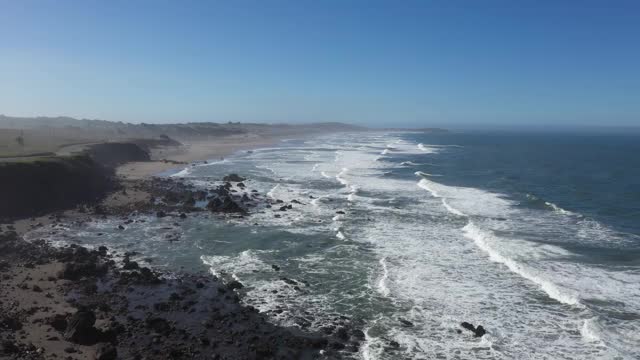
[[76, 303]]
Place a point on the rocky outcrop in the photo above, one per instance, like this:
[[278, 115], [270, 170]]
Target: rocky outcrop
[[223, 201]]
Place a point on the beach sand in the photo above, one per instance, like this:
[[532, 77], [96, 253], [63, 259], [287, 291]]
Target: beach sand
[[169, 158]]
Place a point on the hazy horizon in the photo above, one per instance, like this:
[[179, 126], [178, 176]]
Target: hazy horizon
[[377, 64]]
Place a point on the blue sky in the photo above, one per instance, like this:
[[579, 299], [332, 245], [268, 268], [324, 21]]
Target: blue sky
[[402, 63]]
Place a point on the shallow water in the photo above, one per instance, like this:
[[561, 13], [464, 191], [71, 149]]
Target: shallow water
[[533, 236]]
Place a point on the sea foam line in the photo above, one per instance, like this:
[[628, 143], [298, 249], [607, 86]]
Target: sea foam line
[[482, 240], [382, 283], [558, 209], [425, 185], [340, 179], [428, 150], [424, 174], [271, 192]]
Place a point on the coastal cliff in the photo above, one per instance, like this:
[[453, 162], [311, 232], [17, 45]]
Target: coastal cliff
[[43, 185], [39, 185]]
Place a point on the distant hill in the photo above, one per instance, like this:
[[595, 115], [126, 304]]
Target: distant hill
[[100, 128]]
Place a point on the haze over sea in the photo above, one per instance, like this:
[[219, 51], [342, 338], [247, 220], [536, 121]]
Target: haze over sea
[[534, 236]]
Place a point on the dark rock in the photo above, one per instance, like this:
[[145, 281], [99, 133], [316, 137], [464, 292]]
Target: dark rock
[[289, 281], [10, 322], [275, 267], [58, 322], [130, 265], [159, 325], [340, 212], [183, 216], [477, 331], [8, 347], [235, 285], [80, 328], [406, 323], [468, 326], [106, 351], [120, 227], [76, 270], [341, 333], [161, 214], [233, 178]]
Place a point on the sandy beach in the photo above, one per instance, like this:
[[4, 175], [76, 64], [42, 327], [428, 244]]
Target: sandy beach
[[168, 158]]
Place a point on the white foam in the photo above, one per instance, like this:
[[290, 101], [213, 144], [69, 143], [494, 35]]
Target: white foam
[[424, 174], [271, 193], [589, 330], [382, 283], [409, 163], [484, 240], [558, 209], [427, 186], [427, 149], [340, 177], [451, 209], [340, 235], [182, 173], [189, 170]]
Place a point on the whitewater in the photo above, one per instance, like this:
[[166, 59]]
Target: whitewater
[[381, 233]]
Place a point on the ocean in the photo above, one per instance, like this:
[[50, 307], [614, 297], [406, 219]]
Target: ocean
[[534, 236]]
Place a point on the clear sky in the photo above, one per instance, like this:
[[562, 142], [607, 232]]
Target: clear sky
[[416, 63]]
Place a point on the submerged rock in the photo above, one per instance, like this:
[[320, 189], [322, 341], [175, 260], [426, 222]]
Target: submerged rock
[[233, 178]]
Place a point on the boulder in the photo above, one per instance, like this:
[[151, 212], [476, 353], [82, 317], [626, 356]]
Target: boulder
[[235, 285], [106, 351], [477, 331], [80, 328]]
